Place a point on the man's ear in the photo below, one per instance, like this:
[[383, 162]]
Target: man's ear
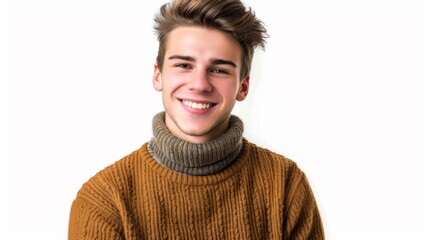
[[244, 89], [157, 78]]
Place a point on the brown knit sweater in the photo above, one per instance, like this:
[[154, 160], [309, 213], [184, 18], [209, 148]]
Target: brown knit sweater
[[260, 195]]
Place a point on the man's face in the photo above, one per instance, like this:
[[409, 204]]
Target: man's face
[[200, 82]]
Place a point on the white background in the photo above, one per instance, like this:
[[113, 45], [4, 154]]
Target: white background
[[341, 89]]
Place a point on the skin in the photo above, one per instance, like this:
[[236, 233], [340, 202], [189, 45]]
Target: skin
[[200, 82]]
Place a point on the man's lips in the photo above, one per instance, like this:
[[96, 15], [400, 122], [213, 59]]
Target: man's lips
[[197, 105]]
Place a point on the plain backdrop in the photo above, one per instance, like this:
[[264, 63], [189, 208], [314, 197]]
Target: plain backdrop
[[341, 89]]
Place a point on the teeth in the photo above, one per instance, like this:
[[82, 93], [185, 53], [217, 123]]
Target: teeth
[[197, 105]]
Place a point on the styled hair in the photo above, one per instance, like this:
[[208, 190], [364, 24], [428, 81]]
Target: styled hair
[[228, 16]]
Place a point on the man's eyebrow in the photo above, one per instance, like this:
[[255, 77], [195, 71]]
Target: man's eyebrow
[[181, 57], [222, 62]]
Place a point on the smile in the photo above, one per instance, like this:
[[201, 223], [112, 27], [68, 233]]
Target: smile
[[197, 105]]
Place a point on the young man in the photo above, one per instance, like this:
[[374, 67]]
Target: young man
[[198, 178]]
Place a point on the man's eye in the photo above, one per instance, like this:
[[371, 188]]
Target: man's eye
[[182, 65], [217, 70]]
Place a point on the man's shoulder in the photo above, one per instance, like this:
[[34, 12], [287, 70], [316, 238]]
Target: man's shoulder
[[118, 173], [262, 152], [267, 157], [126, 163]]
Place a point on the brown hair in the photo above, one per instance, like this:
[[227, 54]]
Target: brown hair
[[228, 16]]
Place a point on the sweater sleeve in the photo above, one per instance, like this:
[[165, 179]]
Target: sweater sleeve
[[303, 220], [94, 213], [88, 221]]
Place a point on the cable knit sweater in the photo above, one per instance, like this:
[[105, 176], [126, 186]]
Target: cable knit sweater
[[258, 195]]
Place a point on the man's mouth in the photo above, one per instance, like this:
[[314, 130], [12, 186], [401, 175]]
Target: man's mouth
[[196, 105]]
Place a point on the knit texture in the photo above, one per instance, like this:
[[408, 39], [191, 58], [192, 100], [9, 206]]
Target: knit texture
[[261, 195], [191, 158]]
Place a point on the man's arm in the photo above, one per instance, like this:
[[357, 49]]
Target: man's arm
[[303, 220], [89, 221]]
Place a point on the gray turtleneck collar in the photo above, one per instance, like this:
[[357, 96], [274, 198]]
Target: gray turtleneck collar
[[195, 158]]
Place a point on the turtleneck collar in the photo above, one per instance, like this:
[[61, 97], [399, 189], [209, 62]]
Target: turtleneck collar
[[195, 158]]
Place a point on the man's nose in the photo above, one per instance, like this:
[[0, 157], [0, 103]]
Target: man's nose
[[200, 81]]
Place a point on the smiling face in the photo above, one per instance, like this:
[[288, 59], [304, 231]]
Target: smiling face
[[200, 82]]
